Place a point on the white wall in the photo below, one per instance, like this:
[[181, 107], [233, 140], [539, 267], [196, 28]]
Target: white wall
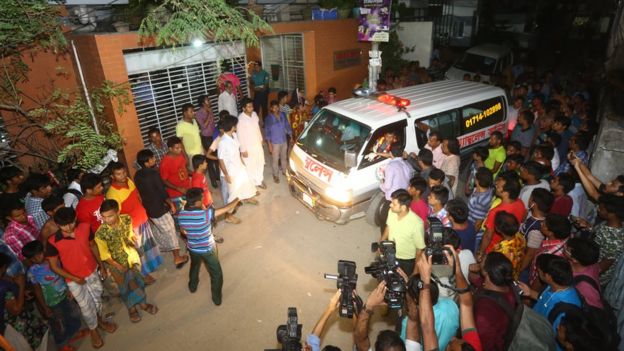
[[420, 36]]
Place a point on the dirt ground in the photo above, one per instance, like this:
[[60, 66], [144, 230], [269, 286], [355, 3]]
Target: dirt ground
[[273, 260]]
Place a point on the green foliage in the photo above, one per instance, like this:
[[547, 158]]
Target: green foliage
[[392, 51], [26, 24], [84, 148], [176, 22]]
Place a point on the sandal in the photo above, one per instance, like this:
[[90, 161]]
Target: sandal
[[97, 344], [81, 334], [149, 280], [149, 308], [179, 265], [135, 317], [232, 219], [108, 327]]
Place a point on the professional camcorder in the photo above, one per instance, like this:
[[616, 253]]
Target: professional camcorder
[[346, 281], [289, 335], [385, 268], [435, 242]]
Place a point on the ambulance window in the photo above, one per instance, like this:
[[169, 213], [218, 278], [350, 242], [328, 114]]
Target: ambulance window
[[446, 123], [482, 114], [381, 142]]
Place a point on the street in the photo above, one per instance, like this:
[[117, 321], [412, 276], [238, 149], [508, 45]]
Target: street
[[273, 260]]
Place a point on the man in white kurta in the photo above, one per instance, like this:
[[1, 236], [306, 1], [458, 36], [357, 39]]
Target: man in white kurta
[[227, 100], [250, 139], [233, 170]]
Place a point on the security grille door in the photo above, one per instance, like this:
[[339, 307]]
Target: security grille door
[[282, 57], [162, 81]]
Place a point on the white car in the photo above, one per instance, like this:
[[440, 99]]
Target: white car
[[485, 60]]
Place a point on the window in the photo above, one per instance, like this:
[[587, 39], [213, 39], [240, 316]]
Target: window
[[7, 156], [482, 114], [163, 80], [379, 139], [330, 135], [446, 123], [282, 57]]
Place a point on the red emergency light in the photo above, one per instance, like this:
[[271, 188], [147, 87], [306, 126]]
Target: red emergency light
[[393, 100]]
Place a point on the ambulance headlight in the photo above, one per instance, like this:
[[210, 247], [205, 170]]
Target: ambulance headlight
[[340, 195]]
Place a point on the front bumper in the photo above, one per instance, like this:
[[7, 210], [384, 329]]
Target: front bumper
[[322, 207]]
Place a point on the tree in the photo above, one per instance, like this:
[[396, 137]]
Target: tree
[[62, 119], [176, 22]]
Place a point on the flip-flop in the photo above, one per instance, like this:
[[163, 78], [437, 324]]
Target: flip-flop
[[97, 345], [135, 317], [182, 264], [108, 327], [149, 308]]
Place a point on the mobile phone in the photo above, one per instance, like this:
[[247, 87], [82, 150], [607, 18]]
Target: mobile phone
[[517, 288]]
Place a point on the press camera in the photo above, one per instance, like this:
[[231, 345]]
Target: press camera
[[346, 281], [386, 268]]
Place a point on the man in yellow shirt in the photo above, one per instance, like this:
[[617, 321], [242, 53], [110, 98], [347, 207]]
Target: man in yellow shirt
[[115, 240], [497, 153], [406, 229], [188, 130]]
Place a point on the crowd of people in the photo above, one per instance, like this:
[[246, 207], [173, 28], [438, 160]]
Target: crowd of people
[[537, 239], [531, 228]]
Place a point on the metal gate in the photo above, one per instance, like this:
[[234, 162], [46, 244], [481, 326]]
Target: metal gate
[[165, 79]]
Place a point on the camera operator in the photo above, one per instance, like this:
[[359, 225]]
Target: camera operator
[[406, 229], [313, 341], [387, 340], [427, 321]]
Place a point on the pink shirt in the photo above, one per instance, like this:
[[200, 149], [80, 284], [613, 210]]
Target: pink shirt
[[438, 155], [589, 293]]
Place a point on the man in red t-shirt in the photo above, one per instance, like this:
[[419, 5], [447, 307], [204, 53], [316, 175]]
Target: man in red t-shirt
[[508, 189], [561, 185], [173, 171], [73, 256], [88, 208]]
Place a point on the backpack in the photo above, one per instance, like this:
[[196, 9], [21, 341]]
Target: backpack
[[527, 330], [603, 319]]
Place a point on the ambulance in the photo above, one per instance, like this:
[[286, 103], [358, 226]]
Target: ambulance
[[330, 168]]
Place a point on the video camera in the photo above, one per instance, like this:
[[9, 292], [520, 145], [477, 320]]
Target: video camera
[[435, 242], [346, 281], [385, 268], [289, 334]]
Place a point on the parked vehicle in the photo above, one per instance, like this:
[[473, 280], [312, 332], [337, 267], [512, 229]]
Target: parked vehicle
[[485, 60]]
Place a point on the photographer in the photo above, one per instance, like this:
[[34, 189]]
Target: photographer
[[313, 341], [387, 340], [406, 229], [427, 321]]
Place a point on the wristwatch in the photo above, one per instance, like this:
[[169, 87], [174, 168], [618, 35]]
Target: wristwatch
[[422, 285]]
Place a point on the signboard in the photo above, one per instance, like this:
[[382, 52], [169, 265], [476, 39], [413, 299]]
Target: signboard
[[374, 22], [347, 58]]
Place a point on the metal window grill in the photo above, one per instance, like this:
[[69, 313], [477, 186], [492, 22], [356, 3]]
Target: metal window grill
[[7, 156], [160, 93], [282, 57]]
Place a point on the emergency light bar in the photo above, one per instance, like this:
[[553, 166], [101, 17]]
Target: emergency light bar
[[393, 100]]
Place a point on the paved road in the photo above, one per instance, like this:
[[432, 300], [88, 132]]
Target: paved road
[[274, 259]]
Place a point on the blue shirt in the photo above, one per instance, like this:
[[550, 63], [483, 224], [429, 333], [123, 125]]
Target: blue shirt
[[446, 316], [260, 79], [197, 223], [548, 299], [468, 237], [277, 131]]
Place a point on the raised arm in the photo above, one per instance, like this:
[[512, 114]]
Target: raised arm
[[427, 320], [360, 335]]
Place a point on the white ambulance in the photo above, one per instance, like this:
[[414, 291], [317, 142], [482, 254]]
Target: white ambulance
[[328, 170]]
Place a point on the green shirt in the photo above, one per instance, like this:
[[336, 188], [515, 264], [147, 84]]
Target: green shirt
[[408, 233], [260, 79], [496, 155]]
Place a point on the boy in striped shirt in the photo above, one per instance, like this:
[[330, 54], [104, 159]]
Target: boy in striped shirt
[[196, 225]]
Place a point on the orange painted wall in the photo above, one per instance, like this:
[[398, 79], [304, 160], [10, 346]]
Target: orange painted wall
[[101, 57], [321, 39]]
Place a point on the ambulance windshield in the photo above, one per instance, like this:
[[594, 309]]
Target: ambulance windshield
[[330, 135]]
